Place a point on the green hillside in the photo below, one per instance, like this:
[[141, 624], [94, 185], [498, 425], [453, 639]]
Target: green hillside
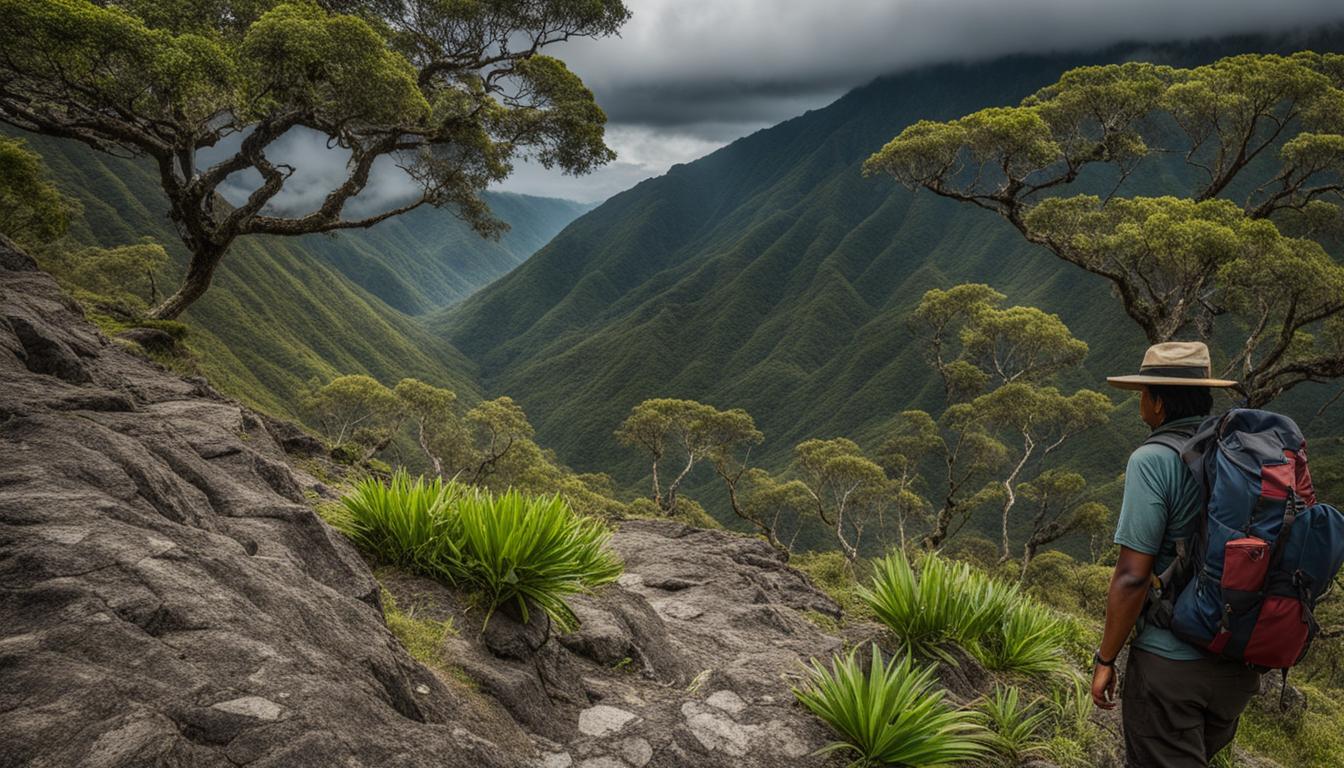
[[770, 275], [284, 310]]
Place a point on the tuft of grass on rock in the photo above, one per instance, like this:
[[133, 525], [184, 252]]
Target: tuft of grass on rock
[[422, 637], [531, 551], [890, 713]]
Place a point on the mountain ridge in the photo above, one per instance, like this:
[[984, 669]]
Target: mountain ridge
[[283, 311], [771, 275]]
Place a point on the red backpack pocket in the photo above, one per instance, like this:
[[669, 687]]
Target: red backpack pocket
[[1245, 564], [1280, 634]]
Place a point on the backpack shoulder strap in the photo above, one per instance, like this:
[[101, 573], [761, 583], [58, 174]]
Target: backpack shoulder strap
[[1176, 438], [1166, 585]]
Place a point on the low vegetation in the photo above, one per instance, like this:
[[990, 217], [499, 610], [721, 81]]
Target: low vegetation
[[947, 601], [509, 548], [1039, 708], [1016, 725], [890, 714], [422, 637]]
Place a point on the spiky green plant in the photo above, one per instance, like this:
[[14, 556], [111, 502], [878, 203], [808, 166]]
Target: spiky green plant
[[945, 600], [1030, 640], [401, 522], [534, 551], [1075, 735], [890, 715], [1015, 725], [530, 549]]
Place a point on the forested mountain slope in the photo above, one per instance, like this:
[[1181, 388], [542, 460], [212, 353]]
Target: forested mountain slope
[[773, 276], [284, 310]]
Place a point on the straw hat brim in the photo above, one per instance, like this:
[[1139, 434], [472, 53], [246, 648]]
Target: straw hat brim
[[1139, 381]]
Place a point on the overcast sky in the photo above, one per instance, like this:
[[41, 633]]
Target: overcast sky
[[686, 77]]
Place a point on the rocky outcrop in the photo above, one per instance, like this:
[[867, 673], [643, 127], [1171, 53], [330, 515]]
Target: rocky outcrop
[[169, 598], [688, 661]]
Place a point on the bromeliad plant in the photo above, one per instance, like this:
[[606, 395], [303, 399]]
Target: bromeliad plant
[[944, 601], [528, 550], [1016, 726], [1029, 640], [521, 549], [890, 715], [401, 522]]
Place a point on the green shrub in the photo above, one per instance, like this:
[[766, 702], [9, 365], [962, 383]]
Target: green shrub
[[976, 550], [833, 573], [1029, 639], [401, 522], [1015, 726], [524, 548], [509, 547], [890, 715], [945, 601]]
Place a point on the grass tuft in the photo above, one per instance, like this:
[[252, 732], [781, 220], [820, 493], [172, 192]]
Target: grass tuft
[[423, 638], [890, 714], [507, 548], [1016, 726]]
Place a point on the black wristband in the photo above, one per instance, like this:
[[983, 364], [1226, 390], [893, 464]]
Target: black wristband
[[1096, 659]]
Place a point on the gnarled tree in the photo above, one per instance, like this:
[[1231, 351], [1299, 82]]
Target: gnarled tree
[[687, 432], [1264, 128], [1001, 423], [1059, 506], [452, 92], [847, 488]]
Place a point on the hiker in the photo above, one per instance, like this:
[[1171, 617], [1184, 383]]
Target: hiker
[[1181, 704]]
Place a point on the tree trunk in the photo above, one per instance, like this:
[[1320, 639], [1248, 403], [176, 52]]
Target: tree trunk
[[941, 523], [199, 274], [424, 446], [1010, 498], [1028, 552], [657, 491], [672, 489]]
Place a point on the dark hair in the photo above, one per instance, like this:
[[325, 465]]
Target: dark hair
[[1180, 402]]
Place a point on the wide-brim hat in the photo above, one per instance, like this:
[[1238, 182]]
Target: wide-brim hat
[[1172, 364]]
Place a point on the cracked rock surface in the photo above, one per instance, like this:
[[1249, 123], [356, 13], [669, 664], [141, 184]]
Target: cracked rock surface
[[687, 661], [168, 598]]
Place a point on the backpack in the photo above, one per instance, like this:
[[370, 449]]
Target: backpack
[[1245, 581]]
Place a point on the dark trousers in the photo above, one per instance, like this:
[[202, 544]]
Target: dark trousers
[[1179, 714]]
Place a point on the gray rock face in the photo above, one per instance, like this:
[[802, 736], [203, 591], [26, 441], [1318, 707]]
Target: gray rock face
[[687, 661], [169, 600]]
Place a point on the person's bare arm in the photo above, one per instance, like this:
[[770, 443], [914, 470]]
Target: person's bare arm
[[1124, 603]]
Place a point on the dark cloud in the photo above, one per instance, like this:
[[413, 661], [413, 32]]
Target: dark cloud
[[679, 62], [688, 76]]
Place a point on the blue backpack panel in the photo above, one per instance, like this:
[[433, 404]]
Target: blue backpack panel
[[1262, 552]]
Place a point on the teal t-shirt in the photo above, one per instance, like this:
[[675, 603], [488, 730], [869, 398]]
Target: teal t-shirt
[[1161, 498]]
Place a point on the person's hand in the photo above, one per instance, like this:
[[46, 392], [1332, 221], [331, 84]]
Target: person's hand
[[1103, 686]]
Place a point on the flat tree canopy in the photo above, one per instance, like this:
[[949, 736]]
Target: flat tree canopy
[[452, 91], [1238, 245]]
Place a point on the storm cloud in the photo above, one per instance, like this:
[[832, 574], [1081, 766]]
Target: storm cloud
[[693, 75], [686, 77]]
